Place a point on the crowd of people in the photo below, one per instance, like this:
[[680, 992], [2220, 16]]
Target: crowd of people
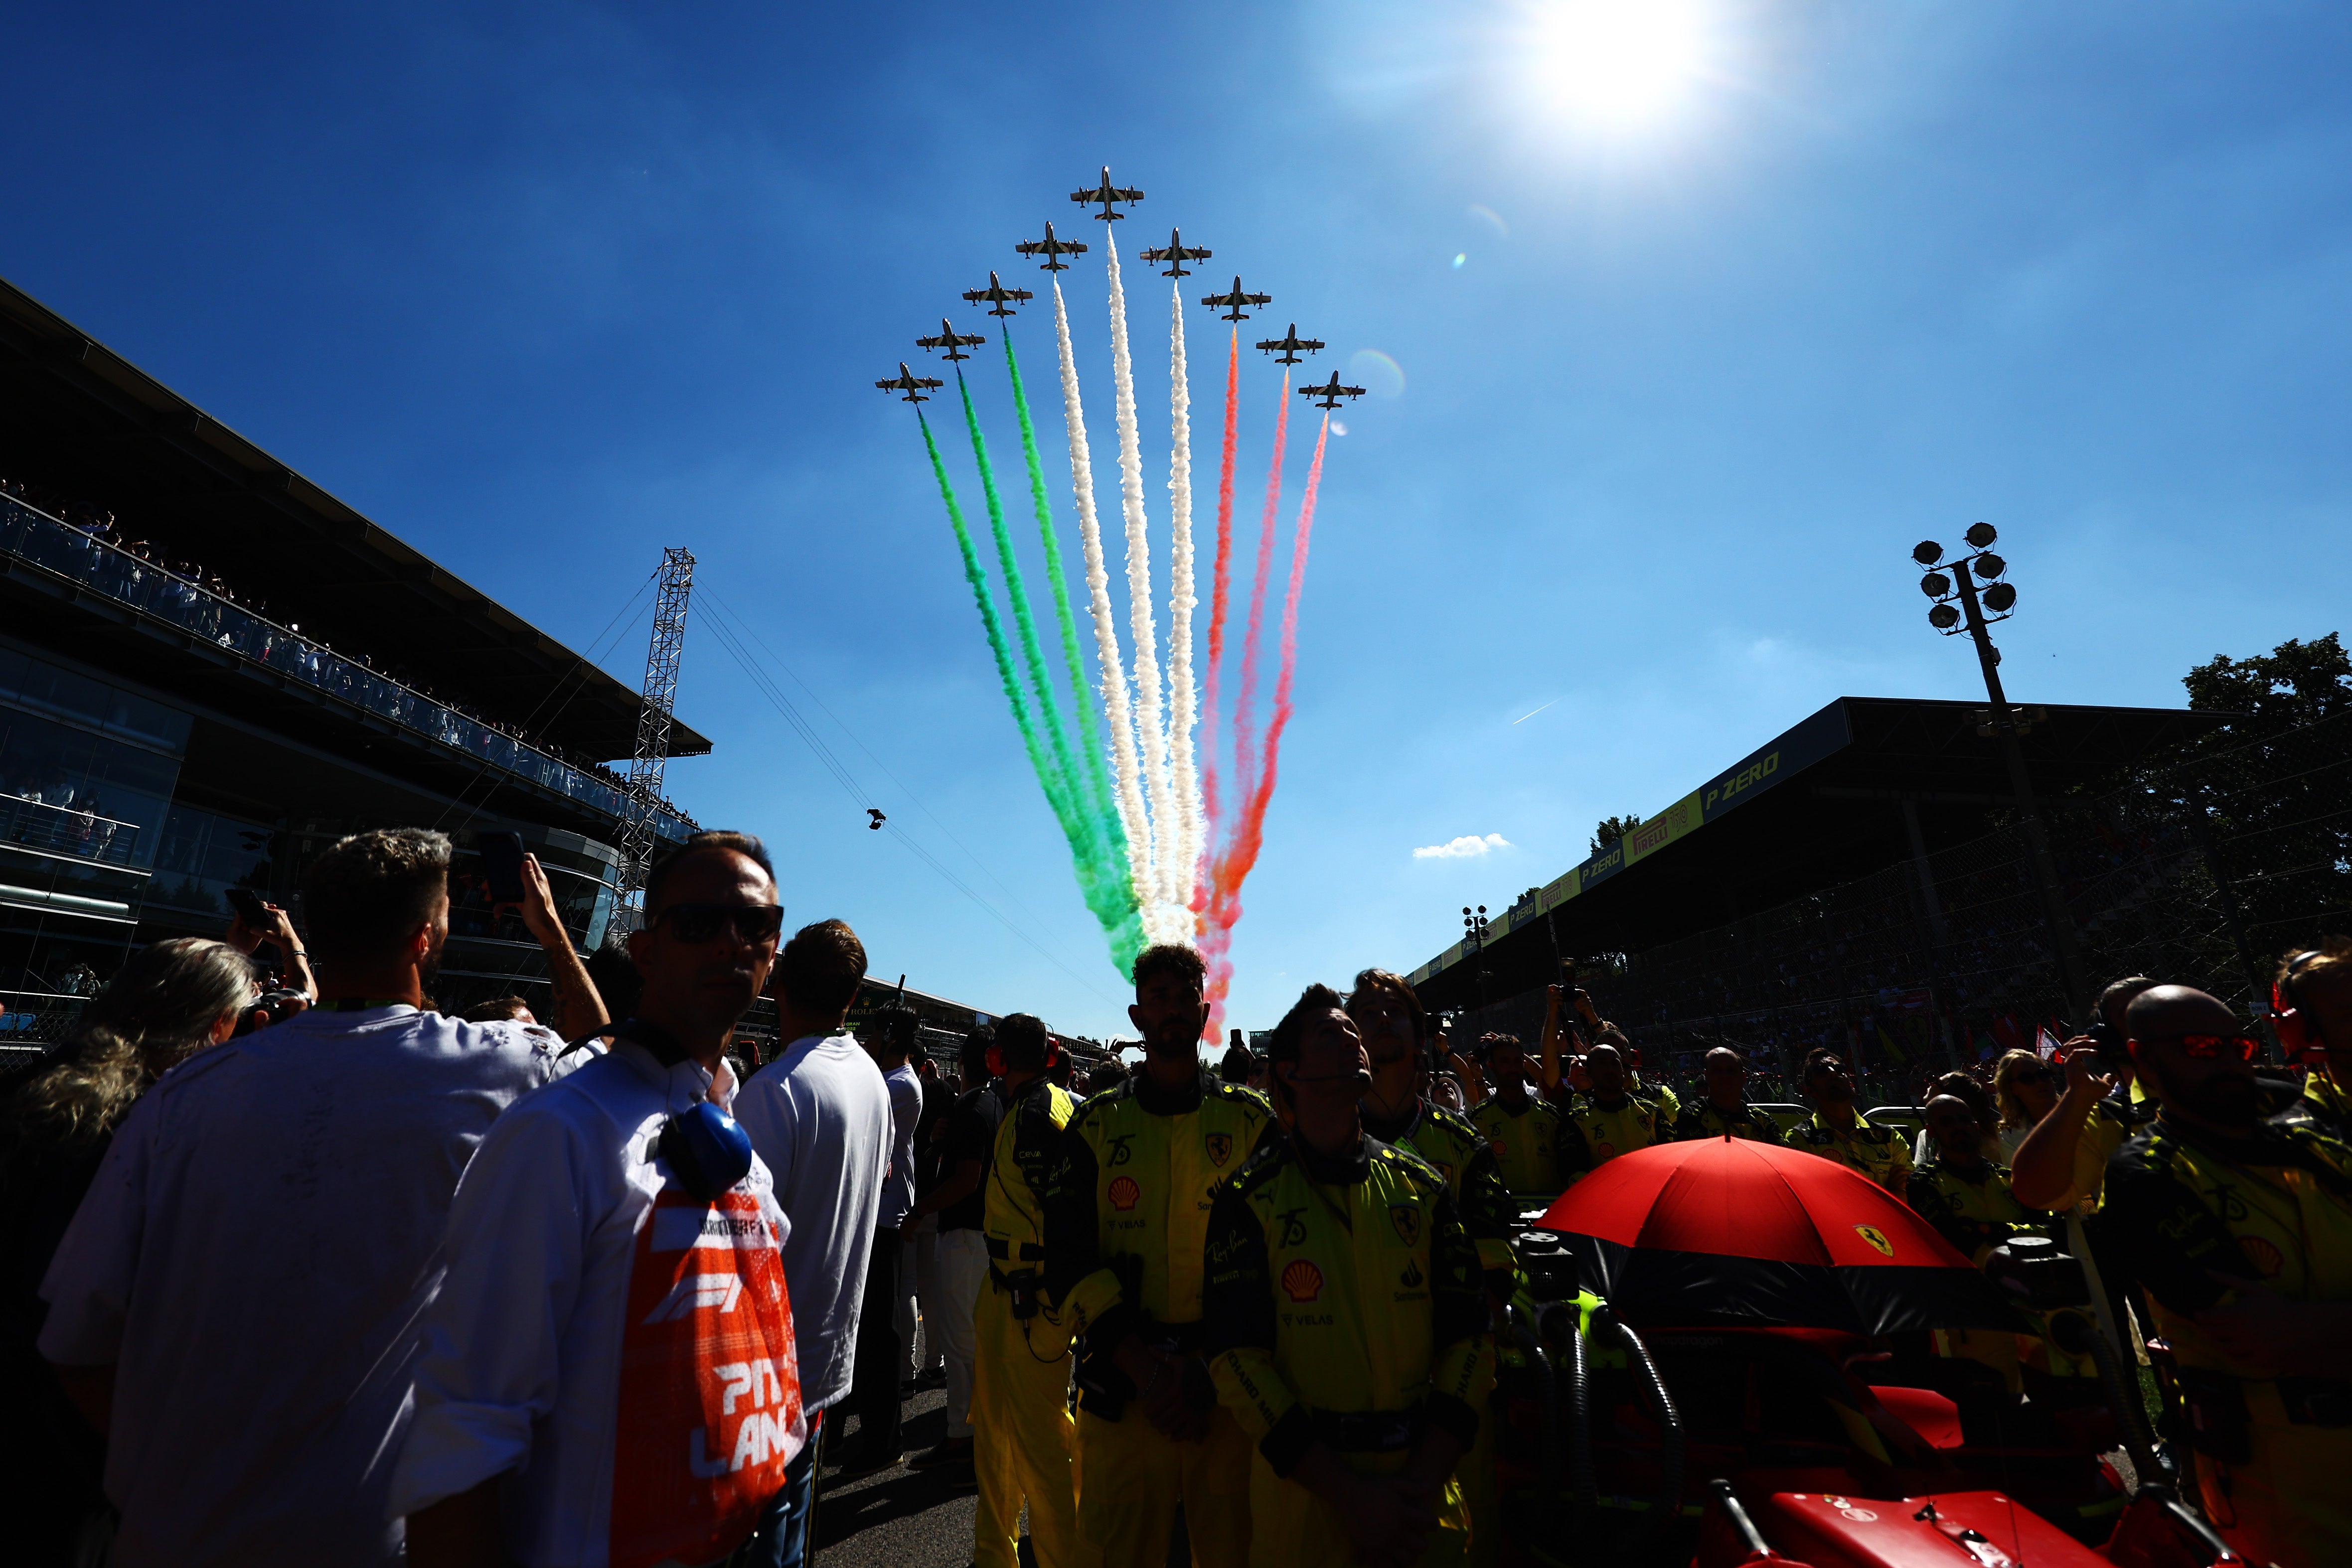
[[328, 1276]]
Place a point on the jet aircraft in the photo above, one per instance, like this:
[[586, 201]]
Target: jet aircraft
[[1002, 296], [953, 341], [1233, 299], [1051, 249], [1103, 196], [1329, 394], [1176, 254], [913, 386], [1291, 344]]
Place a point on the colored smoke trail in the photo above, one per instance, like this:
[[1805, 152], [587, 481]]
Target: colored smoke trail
[[1232, 867], [1094, 772], [1061, 790], [1140, 627], [1178, 863], [1221, 587], [1108, 659], [1245, 701]]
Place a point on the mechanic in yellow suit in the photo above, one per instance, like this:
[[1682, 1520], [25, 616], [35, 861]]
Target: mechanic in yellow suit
[[1966, 1198], [1395, 1031], [1536, 1152], [1725, 1111], [1021, 1427], [1347, 1322], [1612, 1119], [1125, 1233], [2241, 1232], [1836, 1132]]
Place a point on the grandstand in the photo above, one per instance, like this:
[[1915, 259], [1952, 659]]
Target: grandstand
[[211, 668]]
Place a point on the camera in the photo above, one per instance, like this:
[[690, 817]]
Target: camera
[[269, 1007]]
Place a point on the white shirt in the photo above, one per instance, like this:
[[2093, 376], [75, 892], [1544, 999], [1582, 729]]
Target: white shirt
[[906, 1111], [570, 1244], [253, 1257], [820, 1116]]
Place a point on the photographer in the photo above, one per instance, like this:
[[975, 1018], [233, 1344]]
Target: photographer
[[169, 1001], [256, 921], [266, 1231]]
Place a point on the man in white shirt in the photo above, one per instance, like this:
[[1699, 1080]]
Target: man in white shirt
[[607, 1379], [881, 1352], [235, 1304], [820, 1117]]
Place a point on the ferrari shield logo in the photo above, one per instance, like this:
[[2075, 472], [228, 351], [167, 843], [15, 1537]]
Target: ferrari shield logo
[[1407, 1220], [1220, 1147], [1876, 1238]]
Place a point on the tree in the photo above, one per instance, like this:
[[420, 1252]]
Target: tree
[[1610, 828], [2296, 683]]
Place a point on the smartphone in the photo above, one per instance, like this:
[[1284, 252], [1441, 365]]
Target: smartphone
[[249, 908], [503, 865]]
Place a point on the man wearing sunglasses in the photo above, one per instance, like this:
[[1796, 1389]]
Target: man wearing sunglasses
[[2241, 1232], [609, 1373], [2314, 989]]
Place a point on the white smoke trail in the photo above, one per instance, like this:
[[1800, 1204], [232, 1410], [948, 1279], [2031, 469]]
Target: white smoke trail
[[1149, 890], [1106, 653], [1179, 864]]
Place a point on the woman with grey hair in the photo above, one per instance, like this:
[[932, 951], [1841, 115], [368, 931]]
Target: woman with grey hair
[[169, 1001]]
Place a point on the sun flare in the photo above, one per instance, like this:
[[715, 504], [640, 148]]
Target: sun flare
[[1613, 64]]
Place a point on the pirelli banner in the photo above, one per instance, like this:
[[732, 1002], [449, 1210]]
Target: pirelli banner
[[1766, 767]]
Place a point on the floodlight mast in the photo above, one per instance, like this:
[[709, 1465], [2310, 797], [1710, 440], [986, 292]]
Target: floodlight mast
[[665, 650], [2055, 913]]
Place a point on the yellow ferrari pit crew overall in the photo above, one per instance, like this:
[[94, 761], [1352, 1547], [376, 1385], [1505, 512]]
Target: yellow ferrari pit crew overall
[[1020, 1364], [1702, 1119], [1458, 1151], [1881, 1154], [1633, 1124], [1977, 1213], [2271, 1452], [1125, 1233], [1345, 1307], [1533, 1152]]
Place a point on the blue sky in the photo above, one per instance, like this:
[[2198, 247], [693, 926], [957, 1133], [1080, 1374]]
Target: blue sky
[[543, 290]]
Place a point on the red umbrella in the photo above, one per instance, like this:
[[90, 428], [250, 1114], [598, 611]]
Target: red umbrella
[[1720, 1231]]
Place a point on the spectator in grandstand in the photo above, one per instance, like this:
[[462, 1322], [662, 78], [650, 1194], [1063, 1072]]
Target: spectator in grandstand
[[2026, 1088], [298, 1177], [820, 1117], [1836, 1132], [169, 1001], [1725, 1110], [2314, 992]]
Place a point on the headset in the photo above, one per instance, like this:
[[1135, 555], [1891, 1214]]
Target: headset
[[2295, 1032], [996, 1067], [708, 1150]]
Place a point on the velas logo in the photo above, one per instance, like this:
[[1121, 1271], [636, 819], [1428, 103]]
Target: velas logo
[[1219, 1147], [1302, 1281], [1876, 1238], [1123, 1194], [1407, 1220]]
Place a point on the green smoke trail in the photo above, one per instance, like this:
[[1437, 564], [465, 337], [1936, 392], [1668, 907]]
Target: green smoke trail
[[1090, 737], [1110, 898]]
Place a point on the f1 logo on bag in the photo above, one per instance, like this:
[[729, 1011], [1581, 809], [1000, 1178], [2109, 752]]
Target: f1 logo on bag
[[720, 1291]]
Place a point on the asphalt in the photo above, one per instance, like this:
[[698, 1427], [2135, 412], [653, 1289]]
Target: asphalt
[[897, 1518]]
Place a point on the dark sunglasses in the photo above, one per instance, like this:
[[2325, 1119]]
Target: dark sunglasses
[[2033, 1075], [2206, 1046], [754, 924]]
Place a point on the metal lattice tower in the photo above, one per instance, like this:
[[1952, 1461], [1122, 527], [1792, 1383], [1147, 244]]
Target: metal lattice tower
[[646, 764]]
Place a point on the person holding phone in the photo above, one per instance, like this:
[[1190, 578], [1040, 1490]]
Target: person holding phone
[[255, 921]]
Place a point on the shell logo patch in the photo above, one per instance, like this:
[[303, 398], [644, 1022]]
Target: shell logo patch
[[1123, 1194], [2263, 1254], [1219, 1147], [1407, 1220], [1501, 1148], [1876, 1238], [1302, 1281], [1604, 1150]]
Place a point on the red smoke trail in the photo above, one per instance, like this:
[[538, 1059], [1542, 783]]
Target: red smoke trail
[[1244, 754], [1232, 867], [1218, 595]]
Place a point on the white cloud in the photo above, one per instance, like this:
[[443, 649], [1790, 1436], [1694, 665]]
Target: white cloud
[[1462, 849]]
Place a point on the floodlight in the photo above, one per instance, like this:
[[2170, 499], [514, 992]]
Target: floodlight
[[1943, 618], [1928, 553], [1982, 534], [2000, 598], [1988, 566], [1935, 585]]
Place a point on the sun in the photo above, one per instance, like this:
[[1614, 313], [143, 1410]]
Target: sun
[[1613, 64]]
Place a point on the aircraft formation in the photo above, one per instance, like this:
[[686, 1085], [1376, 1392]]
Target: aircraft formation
[[1233, 305]]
